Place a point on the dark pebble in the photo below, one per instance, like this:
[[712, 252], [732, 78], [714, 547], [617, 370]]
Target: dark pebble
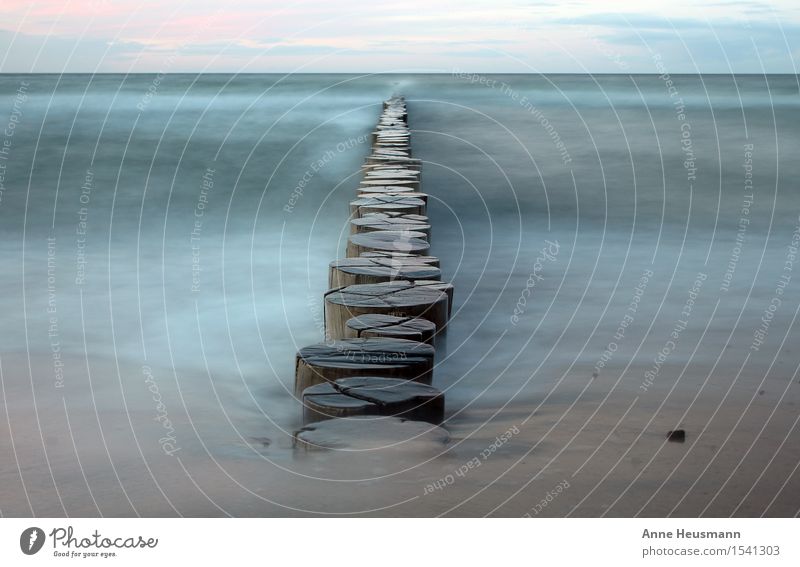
[[677, 436]]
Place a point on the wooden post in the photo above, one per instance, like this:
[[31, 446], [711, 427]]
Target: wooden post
[[391, 358], [376, 159], [373, 395], [375, 325], [390, 221], [388, 182], [397, 172], [395, 203], [392, 256], [446, 287], [354, 271], [398, 298], [394, 189], [368, 193], [408, 241]]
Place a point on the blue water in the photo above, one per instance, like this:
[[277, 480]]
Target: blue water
[[180, 246]]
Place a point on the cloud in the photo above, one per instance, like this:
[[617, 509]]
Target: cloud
[[257, 36], [36, 53], [639, 21], [695, 44]]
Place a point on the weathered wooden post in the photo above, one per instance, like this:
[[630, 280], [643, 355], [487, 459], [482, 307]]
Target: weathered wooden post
[[408, 241], [373, 395], [391, 358], [383, 204], [354, 271], [389, 326], [398, 298], [391, 221]]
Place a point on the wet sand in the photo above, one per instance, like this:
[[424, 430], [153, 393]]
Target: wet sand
[[514, 439]]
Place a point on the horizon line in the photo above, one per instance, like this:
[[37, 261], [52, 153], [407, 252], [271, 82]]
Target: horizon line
[[366, 73]]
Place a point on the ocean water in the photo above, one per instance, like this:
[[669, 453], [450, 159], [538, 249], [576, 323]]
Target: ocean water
[[624, 252]]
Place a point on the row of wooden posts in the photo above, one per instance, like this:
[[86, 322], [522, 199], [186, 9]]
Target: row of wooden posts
[[386, 302]]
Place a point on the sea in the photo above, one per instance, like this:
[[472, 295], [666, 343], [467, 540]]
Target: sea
[[625, 251]]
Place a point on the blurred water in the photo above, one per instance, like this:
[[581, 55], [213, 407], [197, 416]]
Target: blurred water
[[202, 260]]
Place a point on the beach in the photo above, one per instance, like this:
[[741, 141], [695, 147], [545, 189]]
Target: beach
[[624, 250]]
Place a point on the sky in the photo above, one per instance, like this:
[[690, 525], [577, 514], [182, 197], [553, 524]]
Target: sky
[[503, 36]]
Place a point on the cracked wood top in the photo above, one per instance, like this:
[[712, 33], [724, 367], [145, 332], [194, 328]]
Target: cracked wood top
[[370, 395], [390, 324], [391, 220], [408, 241], [387, 295], [432, 260], [368, 352], [399, 268], [389, 201]]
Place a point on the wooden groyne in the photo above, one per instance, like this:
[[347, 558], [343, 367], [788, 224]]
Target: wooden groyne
[[386, 302]]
